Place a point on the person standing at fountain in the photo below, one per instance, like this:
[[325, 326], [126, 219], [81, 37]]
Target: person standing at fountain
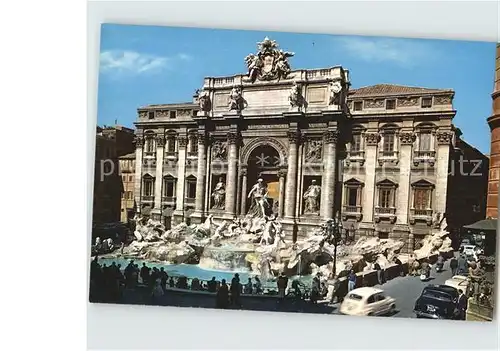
[[212, 285], [258, 286], [351, 281], [236, 290], [144, 274], [248, 287], [282, 285], [222, 297], [315, 289]]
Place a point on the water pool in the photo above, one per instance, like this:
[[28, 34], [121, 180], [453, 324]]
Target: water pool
[[194, 271]]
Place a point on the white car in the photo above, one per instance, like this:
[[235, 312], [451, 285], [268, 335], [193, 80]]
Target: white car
[[367, 301], [469, 250], [458, 282]]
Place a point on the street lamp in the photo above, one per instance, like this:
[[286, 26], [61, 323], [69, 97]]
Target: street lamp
[[334, 227]]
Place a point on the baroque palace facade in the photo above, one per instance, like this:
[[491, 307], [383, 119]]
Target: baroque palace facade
[[378, 157]]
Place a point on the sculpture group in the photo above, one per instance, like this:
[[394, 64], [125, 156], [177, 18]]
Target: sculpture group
[[269, 63]]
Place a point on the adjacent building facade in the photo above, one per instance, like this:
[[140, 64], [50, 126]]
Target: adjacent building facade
[[111, 143], [126, 171], [378, 157], [494, 123]]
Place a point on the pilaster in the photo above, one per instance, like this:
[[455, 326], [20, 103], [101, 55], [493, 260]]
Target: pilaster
[[403, 200], [442, 162], [371, 141], [291, 179]]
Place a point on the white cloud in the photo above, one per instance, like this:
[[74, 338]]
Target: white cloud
[[132, 62], [405, 52]]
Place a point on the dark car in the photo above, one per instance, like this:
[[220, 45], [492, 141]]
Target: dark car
[[437, 302]]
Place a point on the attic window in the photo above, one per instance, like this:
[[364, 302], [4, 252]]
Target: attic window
[[151, 114], [358, 105], [390, 104], [173, 114], [426, 102]]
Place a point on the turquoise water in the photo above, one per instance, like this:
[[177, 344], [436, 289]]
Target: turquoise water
[[192, 271], [176, 270]]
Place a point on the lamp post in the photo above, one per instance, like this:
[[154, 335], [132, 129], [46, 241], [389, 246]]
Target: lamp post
[[334, 227]]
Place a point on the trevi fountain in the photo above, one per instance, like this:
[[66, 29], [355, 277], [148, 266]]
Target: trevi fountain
[[255, 245]]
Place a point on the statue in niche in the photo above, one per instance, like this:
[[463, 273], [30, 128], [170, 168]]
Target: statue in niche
[[335, 90], [295, 98], [236, 101], [258, 194], [219, 195], [204, 101], [312, 198]]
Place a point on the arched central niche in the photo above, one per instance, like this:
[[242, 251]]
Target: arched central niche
[[263, 162]]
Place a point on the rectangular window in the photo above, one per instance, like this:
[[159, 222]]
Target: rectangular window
[[130, 178], [191, 188], [385, 198], [352, 196], [421, 199], [425, 141], [388, 145], [358, 105], [151, 114], [390, 104], [426, 102], [148, 187], [171, 144], [194, 145], [356, 143], [168, 188], [149, 144], [173, 114]]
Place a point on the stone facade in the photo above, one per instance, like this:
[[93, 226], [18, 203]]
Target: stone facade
[[380, 154], [111, 143], [494, 123], [126, 171]]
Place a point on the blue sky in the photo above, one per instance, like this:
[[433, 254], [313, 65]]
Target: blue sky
[[142, 65]]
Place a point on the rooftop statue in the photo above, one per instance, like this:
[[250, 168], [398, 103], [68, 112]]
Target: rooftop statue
[[269, 63]]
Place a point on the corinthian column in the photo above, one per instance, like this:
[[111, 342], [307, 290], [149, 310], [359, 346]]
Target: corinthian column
[[243, 196], [181, 177], [281, 199], [291, 179], [406, 139], [232, 174], [200, 176], [328, 192], [139, 143], [160, 143]]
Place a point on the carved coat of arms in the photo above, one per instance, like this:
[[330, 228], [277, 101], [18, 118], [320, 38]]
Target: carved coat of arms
[[269, 63]]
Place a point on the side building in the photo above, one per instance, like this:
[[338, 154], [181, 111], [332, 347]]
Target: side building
[[126, 171], [111, 143]]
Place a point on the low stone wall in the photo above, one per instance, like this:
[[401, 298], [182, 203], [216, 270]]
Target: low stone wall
[[477, 312]]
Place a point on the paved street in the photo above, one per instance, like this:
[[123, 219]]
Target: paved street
[[407, 289]]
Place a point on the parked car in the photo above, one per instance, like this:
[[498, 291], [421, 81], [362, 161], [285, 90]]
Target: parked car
[[367, 301], [437, 302], [459, 282]]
